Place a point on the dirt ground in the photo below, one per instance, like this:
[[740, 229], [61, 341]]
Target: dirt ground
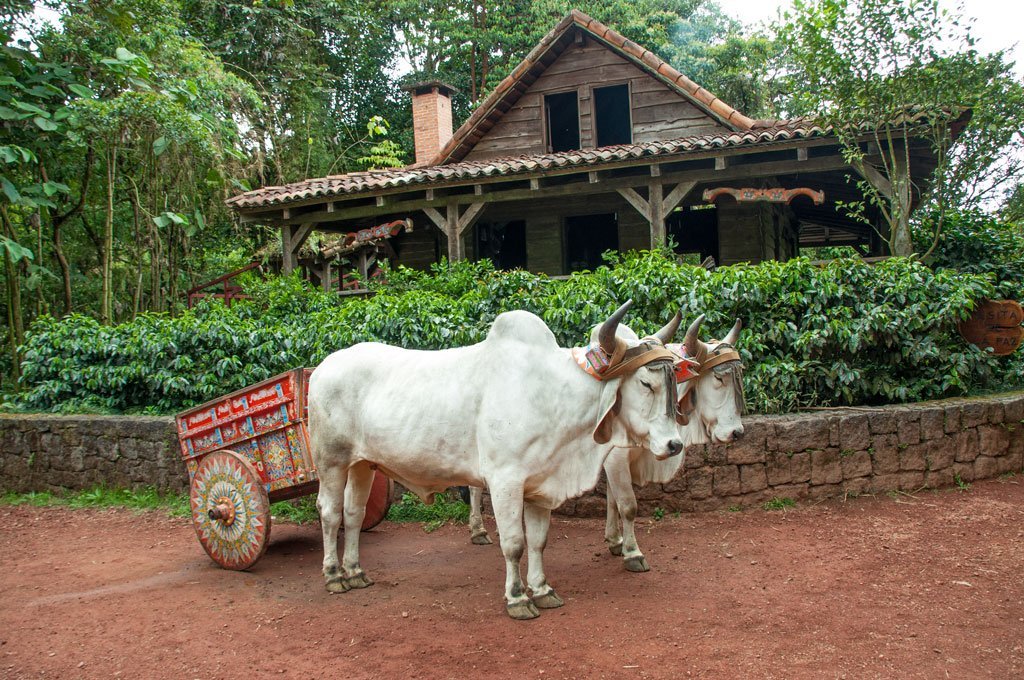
[[928, 586]]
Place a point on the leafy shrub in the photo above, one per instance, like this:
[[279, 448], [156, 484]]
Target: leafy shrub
[[843, 333], [980, 243]]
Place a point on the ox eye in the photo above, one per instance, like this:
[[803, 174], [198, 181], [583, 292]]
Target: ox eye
[[647, 385]]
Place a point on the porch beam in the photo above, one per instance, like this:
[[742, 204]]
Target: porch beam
[[736, 172], [637, 201], [874, 177], [676, 196], [455, 252], [656, 206]]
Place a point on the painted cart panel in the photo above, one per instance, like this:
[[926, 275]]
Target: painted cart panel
[[265, 424]]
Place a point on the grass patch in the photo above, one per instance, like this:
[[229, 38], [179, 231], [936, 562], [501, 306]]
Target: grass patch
[[961, 485], [299, 510], [146, 498], [433, 517], [779, 504]]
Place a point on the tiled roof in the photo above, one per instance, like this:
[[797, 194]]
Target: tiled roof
[[511, 88], [762, 132]]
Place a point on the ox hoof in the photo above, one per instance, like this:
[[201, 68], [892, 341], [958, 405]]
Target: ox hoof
[[549, 600], [337, 585], [522, 611], [615, 549], [481, 539], [636, 564], [359, 580]]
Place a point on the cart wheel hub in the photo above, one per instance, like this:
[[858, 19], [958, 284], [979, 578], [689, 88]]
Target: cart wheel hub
[[224, 511]]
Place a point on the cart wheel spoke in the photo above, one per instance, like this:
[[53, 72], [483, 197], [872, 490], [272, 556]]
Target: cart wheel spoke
[[230, 510]]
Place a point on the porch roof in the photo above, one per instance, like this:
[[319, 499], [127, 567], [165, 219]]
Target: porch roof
[[765, 133]]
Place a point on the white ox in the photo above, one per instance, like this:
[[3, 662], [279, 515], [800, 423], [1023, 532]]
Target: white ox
[[714, 403], [513, 412]]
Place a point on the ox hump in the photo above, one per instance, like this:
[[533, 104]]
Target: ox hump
[[524, 327]]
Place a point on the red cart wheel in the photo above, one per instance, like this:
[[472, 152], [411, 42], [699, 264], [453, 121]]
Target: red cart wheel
[[379, 501], [230, 510]]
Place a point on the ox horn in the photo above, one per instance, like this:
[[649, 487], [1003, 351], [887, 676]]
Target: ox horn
[[692, 342], [606, 336], [669, 330], [734, 334]]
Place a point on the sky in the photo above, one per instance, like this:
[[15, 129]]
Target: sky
[[997, 22]]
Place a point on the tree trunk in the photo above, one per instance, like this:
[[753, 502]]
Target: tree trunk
[[15, 326], [108, 239]]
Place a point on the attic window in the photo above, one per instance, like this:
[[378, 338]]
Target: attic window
[[563, 119], [611, 115]]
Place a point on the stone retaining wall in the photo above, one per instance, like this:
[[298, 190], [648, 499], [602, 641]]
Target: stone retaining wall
[[822, 454], [49, 453], [837, 452]]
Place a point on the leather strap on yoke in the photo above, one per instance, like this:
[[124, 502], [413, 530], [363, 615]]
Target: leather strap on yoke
[[634, 358]]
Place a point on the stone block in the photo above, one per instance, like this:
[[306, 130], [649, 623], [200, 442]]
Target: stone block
[[965, 471], [1015, 461], [884, 454], [800, 467], [799, 433], [752, 478], [884, 482], [995, 413], [966, 446], [941, 453], [973, 414], [678, 484], [854, 433], [833, 431], [699, 483], [794, 491], [911, 481], [650, 492], [993, 440], [1006, 464], [939, 479], [882, 422], [932, 424], [908, 427], [913, 458], [726, 480], [951, 419], [714, 454], [694, 456], [590, 506], [856, 464], [986, 467], [823, 491], [747, 451], [856, 487], [778, 471], [1013, 410], [825, 467]]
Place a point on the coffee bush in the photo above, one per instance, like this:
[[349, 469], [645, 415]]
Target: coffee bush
[[840, 334]]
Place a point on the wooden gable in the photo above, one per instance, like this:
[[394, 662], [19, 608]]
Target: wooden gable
[[657, 112]]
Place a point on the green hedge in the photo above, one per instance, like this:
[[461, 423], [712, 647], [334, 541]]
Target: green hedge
[[843, 333]]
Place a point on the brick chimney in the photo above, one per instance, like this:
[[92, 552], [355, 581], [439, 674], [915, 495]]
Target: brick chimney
[[431, 118]]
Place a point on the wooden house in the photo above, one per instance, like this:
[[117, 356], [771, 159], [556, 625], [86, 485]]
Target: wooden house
[[591, 143]]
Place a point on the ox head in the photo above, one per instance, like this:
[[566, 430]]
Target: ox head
[[715, 397], [638, 406]]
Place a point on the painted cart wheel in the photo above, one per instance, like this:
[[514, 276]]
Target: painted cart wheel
[[230, 510], [379, 501]]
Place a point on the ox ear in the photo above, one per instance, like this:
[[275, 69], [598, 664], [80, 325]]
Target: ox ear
[[687, 402], [607, 425]]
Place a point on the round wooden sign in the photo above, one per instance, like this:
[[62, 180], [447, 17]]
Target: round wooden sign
[[995, 325]]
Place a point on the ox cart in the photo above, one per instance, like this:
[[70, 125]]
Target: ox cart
[[246, 451]]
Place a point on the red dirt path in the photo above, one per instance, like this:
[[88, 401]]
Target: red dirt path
[[930, 587]]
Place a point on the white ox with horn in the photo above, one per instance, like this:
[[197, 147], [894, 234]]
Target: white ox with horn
[[713, 402], [513, 412]]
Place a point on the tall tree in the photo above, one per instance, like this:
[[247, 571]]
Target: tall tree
[[884, 71]]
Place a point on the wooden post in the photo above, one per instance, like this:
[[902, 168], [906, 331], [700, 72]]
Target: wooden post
[[325, 275], [454, 233], [289, 259], [656, 203]]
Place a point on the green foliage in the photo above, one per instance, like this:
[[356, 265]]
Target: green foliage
[[146, 498], [433, 516], [839, 334], [979, 243], [301, 510], [961, 485], [779, 504]]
